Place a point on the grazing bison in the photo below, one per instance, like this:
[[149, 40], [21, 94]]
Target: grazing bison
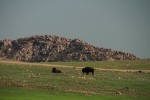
[[54, 70], [87, 70]]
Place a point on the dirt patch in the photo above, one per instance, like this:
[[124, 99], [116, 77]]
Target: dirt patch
[[124, 70], [81, 91]]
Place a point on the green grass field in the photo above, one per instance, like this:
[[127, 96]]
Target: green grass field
[[35, 82], [24, 94], [124, 64]]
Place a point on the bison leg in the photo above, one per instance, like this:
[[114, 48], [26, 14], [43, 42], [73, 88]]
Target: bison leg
[[92, 73], [87, 73]]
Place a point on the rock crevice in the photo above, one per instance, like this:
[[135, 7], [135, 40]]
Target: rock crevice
[[47, 48]]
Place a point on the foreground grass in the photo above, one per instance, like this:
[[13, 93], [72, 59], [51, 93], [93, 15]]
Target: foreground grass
[[30, 94], [37, 82]]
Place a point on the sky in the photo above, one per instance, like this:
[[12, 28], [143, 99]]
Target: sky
[[122, 25]]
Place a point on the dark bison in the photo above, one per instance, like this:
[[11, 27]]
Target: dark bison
[[87, 70], [54, 70]]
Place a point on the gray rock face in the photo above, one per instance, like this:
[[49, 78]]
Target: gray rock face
[[47, 48]]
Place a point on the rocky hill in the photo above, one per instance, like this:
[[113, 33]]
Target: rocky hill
[[47, 48]]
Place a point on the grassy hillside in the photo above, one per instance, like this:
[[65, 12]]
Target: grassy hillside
[[124, 64], [35, 82]]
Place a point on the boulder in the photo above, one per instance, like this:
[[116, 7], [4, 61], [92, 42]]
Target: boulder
[[47, 48]]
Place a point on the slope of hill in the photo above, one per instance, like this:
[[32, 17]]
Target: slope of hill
[[47, 48]]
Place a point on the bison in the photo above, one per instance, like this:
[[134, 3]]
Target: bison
[[54, 70], [87, 70]]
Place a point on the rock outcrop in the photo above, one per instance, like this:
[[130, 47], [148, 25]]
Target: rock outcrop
[[47, 48]]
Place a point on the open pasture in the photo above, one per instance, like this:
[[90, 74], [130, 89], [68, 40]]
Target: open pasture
[[33, 80]]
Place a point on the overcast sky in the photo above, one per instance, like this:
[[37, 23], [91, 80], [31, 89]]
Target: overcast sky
[[117, 24]]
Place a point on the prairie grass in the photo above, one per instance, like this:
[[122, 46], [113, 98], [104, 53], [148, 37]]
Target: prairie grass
[[34, 81], [124, 64]]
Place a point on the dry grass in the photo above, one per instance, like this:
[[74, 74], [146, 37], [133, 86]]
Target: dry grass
[[107, 82]]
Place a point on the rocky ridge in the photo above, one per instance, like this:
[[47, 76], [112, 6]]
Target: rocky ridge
[[47, 48]]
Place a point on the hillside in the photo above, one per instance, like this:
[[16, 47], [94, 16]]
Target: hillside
[[47, 48]]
